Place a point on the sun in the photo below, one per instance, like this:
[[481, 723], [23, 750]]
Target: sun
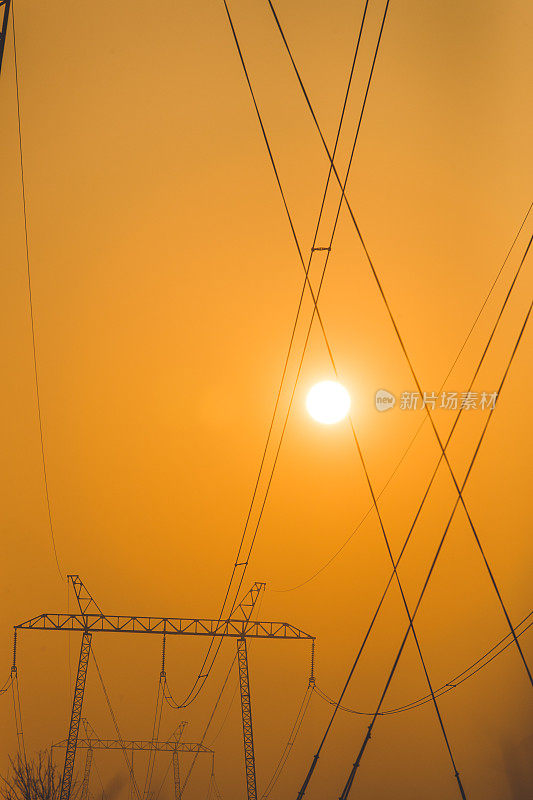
[[328, 402]]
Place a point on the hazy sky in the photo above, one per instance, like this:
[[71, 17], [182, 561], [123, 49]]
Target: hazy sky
[[165, 286]]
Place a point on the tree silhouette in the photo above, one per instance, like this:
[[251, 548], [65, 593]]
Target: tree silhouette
[[32, 779]]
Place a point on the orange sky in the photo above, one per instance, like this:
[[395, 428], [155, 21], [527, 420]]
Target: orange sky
[[165, 284]]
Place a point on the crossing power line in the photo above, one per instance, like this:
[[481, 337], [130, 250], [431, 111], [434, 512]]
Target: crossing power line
[[91, 619]]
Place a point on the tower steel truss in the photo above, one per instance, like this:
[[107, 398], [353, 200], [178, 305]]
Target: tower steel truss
[[176, 769], [4, 11], [75, 716], [86, 774], [173, 746], [139, 745], [247, 729], [91, 619]]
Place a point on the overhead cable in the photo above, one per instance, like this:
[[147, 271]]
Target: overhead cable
[[411, 529], [402, 344], [30, 298], [332, 558], [351, 776], [452, 683], [239, 562]]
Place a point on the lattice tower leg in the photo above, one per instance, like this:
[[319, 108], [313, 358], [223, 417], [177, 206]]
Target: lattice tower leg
[[177, 783], [247, 729], [86, 775], [75, 717]]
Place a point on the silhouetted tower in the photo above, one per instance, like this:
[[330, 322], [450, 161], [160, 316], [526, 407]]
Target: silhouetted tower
[[92, 620], [86, 605], [88, 762], [246, 608], [4, 10], [93, 742], [176, 762]]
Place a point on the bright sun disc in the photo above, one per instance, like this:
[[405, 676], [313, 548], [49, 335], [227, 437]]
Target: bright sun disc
[[328, 402]]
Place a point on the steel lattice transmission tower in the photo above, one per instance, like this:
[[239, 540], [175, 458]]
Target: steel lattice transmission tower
[[91, 620], [174, 746]]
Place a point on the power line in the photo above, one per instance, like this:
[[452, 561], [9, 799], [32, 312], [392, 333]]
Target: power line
[[255, 613], [34, 349], [35, 364], [415, 378], [306, 267], [367, 476], [357, 762], [214, 784], [157, 720], [7, 685], [100, 780], [230, 705], [18, 717], [451, 684], [400, 340], [203, 735], [115, 723], [327, 563], [172, 703], [300, 716], [205, 670], [315, 310], [155, 736], [411, 529], [374, 499]]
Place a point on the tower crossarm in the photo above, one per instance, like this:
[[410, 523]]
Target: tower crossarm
[[108, 623], [139, 745], [84, 598], [247, 604]]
